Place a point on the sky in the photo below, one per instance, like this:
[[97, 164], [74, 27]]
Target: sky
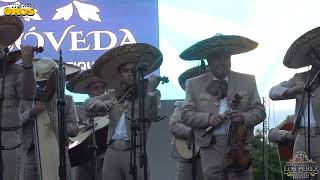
[[274, 24]]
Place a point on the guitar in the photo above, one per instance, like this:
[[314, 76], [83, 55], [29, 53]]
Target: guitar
[[183, 150], [85, 131], [79, 152], [286, 148]]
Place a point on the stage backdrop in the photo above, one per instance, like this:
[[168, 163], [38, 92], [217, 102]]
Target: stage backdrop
[[85, 29]]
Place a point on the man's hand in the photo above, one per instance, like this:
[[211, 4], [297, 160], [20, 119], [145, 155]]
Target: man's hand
[[236, 116], [297, 89], [108, 104], [215, 120], [27, 54], [153, 83], [288, 136], [36, 109]]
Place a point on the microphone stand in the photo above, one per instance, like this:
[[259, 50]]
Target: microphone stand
[[133, 138], [142, 68], [61, 103], [139, 123], [4, 70], [93, 149], [191, 142], [307, 91]]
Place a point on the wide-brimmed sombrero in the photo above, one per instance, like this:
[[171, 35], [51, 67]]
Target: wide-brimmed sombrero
[[81, 82], [226, 44], [11, 27], [107, 65], [190, 73], [298, 55], [43, 68]]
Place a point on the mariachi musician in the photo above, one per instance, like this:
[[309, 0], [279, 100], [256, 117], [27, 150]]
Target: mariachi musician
[[184, 169], [19, 85], [118, 67], [223, 107], [46, 100], [87, 83], [303, 52]]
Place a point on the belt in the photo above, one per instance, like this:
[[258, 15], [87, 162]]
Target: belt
[[304, 131], [120, 145]]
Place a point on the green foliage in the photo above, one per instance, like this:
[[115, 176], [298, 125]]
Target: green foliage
[[274, 170]]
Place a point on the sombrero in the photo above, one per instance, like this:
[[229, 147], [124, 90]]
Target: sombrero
[[298, 55], [228, 44], [190, 73], [81, 82], [107, 65], [11, 27], [43, 68]]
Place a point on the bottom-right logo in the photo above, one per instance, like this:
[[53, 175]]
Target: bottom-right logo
[[300, 166]]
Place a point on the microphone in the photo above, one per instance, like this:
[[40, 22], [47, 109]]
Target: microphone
[[207, 131], [203, 66]]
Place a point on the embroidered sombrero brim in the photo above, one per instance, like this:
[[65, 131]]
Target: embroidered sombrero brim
[[298, 55], [11, 27], [227, 44], [71, 71], [107, 65], [190, 73], [81, 82]]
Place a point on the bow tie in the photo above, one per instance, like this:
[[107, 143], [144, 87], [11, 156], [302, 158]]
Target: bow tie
[[218, 88]]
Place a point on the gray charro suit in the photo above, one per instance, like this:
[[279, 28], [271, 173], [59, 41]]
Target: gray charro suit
[[28, 134], [179, 130], [277, 93], [197, 108], [116, 159], [19, 85]]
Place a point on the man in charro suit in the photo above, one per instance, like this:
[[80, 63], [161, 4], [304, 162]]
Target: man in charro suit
[[303, 52], [185, 167], [208, 96], [19, 86], [87, 83], [46, 96], [118, 67]]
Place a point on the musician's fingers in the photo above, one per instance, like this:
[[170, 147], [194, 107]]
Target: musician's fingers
[[217, 121], [234, 114]]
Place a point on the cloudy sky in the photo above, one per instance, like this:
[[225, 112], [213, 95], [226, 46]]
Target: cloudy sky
[[274, 24]]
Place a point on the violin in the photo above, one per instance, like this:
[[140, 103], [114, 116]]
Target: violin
[[129, 92], [238, 159]]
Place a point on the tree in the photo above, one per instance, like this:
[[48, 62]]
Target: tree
[[271, 150]]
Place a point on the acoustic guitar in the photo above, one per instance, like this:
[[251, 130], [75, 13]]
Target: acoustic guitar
[[183, 150], [78, 146], [286, 148]]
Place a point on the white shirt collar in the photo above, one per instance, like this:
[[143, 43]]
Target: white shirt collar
[[225, 78]]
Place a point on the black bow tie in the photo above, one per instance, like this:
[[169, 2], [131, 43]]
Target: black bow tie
[[218, 88]]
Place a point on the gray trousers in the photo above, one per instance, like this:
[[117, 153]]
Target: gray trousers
[[212, 158], [12, 159], [116, 165], [83, 172], [184, 169], [300, 144]]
